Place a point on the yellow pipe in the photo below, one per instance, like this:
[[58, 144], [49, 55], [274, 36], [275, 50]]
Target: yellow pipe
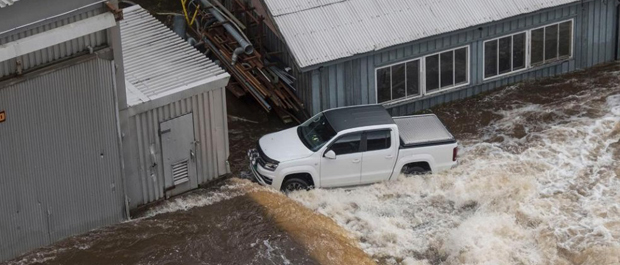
[[194, 17], [185, 11]]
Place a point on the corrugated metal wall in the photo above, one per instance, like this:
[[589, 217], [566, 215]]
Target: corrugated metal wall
[[145, 176], [55, 52], [60, 168], [352, 82]]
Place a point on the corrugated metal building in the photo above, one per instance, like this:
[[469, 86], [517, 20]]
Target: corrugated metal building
[[60, 147], [411, 55], [88, 131], [177, 135]]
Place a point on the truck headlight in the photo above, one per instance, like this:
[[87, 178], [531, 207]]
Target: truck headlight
[[271, 166]]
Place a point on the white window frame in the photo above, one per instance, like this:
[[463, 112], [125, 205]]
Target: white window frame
[[440, 89], [406, 97], [422, 76], [527, 55], [572, 46]]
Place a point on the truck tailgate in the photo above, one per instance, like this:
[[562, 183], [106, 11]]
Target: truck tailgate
[[420, 130]]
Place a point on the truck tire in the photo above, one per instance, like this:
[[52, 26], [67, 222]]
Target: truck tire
[[295, 184], [414, 170]]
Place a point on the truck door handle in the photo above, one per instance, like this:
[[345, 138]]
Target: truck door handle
[[356, 161], [389, 156]]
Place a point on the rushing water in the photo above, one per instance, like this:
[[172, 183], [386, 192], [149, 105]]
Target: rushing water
[[218, 226], [538, 184]]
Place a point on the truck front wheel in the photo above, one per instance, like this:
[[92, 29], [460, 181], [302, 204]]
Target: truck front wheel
[[294, 184]]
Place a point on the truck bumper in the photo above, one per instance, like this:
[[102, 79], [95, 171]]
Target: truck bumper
[[254, 168]]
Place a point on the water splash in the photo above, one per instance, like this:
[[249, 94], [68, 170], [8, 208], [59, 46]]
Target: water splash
[[538, 185]]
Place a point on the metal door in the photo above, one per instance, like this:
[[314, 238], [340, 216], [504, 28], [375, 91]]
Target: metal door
[[346, 169], [178, 150]]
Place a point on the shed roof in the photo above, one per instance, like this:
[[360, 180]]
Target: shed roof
[[357, 116], [159, 63], [319, 31], [5, 3]]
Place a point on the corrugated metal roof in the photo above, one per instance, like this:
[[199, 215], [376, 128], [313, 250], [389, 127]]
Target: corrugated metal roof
[[157, 61], [5, 3], [319, 31]]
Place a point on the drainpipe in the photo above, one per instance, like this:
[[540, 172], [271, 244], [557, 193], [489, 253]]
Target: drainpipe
[[244, 45]]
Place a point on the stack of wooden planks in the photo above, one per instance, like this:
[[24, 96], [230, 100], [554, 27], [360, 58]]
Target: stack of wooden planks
[[252, 74]]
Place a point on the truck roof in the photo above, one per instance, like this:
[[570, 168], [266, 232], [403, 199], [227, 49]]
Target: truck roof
[[423, 129], [358, 116]]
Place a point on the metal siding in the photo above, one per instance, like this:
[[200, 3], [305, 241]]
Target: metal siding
[[63, 174], [318, 32], [56, 52], [157, 61], [589, 50], [209, 114]]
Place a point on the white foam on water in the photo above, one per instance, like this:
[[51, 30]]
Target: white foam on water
[[549, 197], [231, 190]]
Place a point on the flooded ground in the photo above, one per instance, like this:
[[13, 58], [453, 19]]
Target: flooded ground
[[216, 226], [247, 122], [538, 183]]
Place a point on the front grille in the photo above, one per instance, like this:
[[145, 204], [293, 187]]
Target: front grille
[[262, 158], [265, 179]]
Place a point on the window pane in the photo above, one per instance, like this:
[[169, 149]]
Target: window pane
[[490, 59], [460, 66], [566, 38], [413, 78], [505, 55], [432, 73], [518, 52], [383, 84], [378, 140], [538, 46], [398, 81], [447, 69], [551, 42], [347, 144]]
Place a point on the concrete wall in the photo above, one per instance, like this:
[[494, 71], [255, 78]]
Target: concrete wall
[[60, 164], [351, 81]]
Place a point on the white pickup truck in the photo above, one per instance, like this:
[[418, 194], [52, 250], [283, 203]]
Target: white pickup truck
[[352, 146]]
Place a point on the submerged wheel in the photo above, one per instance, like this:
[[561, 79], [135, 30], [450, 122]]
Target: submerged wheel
[[414, 170], [295, 184]]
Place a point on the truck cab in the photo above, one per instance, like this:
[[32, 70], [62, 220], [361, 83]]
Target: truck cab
[[352, 146]]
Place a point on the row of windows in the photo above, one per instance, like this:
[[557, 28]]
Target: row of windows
[[450, 69], [443, 71]]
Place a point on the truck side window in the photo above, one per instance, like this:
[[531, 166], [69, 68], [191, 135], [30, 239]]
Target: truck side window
[[347, 144], [378, 140]]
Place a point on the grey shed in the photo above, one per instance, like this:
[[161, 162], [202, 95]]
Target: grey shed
[[177, 134]]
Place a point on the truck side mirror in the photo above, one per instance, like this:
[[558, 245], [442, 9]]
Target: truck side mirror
[[330, 154]]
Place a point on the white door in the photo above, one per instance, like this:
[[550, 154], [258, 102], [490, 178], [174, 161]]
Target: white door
[[346, 168], [380, 156], [177, 140]]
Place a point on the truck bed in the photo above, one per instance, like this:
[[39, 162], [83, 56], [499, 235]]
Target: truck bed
[[422, 130]]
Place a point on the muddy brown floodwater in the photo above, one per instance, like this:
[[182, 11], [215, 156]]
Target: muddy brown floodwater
[[233, 231], [538, 183]]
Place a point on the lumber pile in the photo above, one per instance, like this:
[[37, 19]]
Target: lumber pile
[[244, 58]]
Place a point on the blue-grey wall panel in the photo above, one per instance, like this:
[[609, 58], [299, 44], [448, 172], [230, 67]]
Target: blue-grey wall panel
[[594, 43], [60, 168]]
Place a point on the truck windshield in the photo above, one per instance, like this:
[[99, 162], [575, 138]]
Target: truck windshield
[[315, 132]]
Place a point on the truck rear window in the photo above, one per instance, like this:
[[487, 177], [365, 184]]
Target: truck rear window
[[378, 140]]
